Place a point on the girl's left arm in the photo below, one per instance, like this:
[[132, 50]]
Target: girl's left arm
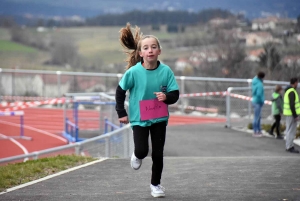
[[171, 97]]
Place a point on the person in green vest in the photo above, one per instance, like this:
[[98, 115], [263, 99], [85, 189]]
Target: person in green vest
[[291, 109], [277, 109]]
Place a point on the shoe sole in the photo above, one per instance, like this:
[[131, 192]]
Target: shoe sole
[[157, 195]]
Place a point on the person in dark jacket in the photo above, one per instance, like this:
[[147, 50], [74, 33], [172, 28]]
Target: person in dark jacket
[[291, 110], [258, 99], [277, 109]]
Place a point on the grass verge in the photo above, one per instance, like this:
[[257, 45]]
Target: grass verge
[[19, 173], [14, 47]]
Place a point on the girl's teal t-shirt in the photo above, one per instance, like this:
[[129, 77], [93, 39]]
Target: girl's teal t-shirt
[[142, 84]]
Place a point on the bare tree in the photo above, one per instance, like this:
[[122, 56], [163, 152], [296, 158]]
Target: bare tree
[[7, 21], [64, 51], [270, 59], [287, 72], [231, 54], [20, 35]]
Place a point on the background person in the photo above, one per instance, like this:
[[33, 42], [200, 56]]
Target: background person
[[277, 109], [258, 99], [291, 109]]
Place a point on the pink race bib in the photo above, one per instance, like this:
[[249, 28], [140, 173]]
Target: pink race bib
[[153, 109]]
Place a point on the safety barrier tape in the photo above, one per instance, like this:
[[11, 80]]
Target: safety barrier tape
[[200, 109], [23, 105], [223, 93], [25, 98], [248, 98]]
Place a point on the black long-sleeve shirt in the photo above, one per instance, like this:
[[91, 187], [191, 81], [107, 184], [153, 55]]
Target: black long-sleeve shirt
[[171, 98]]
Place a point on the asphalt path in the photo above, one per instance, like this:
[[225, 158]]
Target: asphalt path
[[202, 162]]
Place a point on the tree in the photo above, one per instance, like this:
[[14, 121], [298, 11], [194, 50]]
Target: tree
[[64, 51], [20, 35], [232, 54], [298, 24], [287, 72], [270, 59], [7, 22], [155, 27]]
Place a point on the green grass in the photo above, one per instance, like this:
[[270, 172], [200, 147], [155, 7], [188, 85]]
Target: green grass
[[23, 60], [97, 46], [14, 47], [19, 173], [103, 42]]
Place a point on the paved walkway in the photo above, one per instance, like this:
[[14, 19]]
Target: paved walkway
[[203, 162]]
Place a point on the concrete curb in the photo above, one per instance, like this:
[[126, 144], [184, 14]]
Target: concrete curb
[[265, 134]]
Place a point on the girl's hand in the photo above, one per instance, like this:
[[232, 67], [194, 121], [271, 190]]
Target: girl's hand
[[124, 120], [160, 96]]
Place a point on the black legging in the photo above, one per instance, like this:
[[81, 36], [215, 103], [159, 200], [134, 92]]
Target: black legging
[[141, 147], [276, 124]]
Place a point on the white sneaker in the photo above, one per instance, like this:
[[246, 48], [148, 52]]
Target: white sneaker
[[135, 162], [157, 191]]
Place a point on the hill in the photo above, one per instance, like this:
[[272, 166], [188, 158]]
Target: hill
[[91, 8]]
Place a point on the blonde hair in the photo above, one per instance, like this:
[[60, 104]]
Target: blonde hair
[[132, 44]]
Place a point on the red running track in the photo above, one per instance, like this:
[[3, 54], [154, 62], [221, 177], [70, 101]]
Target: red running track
[[45, 127]]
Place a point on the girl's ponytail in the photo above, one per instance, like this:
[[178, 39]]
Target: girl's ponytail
[[130, 44]]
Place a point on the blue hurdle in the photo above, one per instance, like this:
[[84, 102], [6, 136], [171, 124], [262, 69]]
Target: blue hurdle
[[21, 114], [72, 128]]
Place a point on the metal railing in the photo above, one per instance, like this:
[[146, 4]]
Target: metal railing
[[104, 145], [63, 83], [106, 110], [56, 83], [17, 82], [68, 84], [244, 107]]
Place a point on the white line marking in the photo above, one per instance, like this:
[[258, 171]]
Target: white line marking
[[51, 176], [17, 143], [35, 129]]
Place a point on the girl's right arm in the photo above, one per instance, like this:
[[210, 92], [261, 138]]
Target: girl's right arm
[[120, 99]]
